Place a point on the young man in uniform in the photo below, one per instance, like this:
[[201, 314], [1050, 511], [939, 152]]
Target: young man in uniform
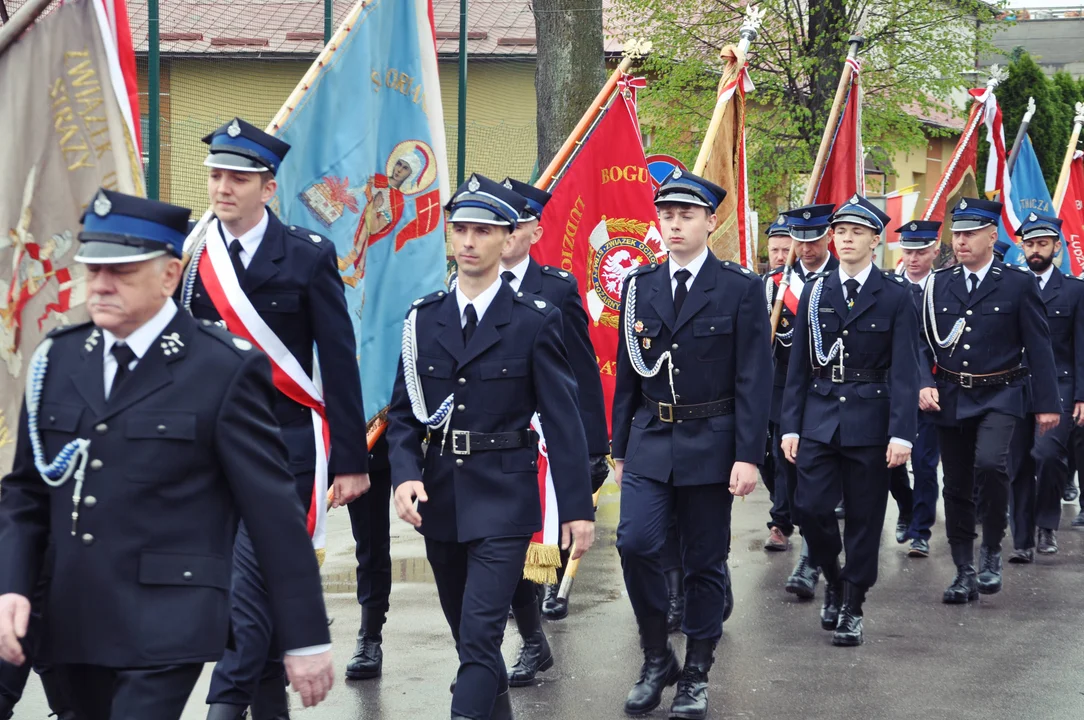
[[689, 422], [281, 285], [979, 318], [849, 410], [478, 362]]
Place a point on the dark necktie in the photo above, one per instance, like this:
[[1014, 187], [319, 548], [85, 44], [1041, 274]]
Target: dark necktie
[[1039, 282], [974, 284], [124, 356], [852, 292], [472, 324], [235, 258], [682, 276], [508, 276]]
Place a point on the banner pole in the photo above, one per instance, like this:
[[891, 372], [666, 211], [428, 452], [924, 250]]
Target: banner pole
[[1020, 133], [1067, 162], [23, 18]]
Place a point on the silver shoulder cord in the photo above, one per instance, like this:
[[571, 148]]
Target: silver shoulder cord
[[929, 323], [442, 418], [72, 458], [633, 347], [816, 345]]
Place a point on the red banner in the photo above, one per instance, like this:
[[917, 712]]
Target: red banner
[[957, 180], [601, 223], [1072, 214], [843, 172]]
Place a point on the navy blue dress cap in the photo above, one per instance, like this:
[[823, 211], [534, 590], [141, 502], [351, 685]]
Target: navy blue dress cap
[[242, 147], [485, 202], [1036, 226], [860, 211], [809, 222], [119, 228], [975, 213], [919, 234], [536, 198], [684, 188]]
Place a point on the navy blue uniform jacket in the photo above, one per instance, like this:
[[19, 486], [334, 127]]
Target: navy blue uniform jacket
[[1063, 298]]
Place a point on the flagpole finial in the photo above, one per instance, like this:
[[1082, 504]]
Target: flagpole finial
[[1079, 119], [997, 76], [637, 48], [1030, 111], [754, 16]]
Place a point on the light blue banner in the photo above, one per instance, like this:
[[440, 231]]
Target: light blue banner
[[1029, 195]]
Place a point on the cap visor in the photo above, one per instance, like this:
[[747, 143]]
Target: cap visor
[[478, 216], [682, 198], [855, 220], [964, 225], [917, 244], [808, 234], [1040, 232], [107, 253], [237, 163]]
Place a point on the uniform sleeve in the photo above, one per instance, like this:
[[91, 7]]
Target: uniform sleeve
[[926, 378], [253, 460], [1078, 344], [753, 385], [405, 434], [24, 518], [335, 343], [626, 387], [905, 372], [1035, 332], [798, 372], [581, 356], [555, 391]]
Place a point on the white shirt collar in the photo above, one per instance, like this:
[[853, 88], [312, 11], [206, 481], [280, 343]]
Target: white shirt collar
[[818, 271], [144, 336], [250, 241], [1045, 277], [519, 270], [981, 272], [861, 277], [481, 303], [921, 281], [693, 267]]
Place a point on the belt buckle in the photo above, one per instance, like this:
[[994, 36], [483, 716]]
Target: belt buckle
[[837, 374], [966, 380], [668, 415], [460, 448]]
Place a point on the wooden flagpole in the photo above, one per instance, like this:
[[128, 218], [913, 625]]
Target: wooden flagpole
[[23, 18], [1020, 133], [818, 169], [1067, 161]]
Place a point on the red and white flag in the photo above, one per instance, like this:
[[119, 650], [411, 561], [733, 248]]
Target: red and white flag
[[1072, 213], [844, 168]]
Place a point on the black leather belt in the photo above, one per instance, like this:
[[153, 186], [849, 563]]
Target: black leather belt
[[838, 374], [967, 380], [465, 442], [669, 413]]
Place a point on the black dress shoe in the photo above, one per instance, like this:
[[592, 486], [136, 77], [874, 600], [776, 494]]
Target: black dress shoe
[[902, 527], [919, 548], [270, 702], [1078, 521], [803, 579], [553, 606], [368, 659], [223, 711], [675, 589], [691, 698], [849, 630], [728, 594], [1048, 542], [502, 707], [534, 654], [833, 596], [964, 588], [1022, 557], [989, 570], [660, 669]]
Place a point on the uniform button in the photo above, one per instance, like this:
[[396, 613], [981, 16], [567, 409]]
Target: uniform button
[[967, 347], [967, 313], [459, 462], [872, 325], [843, 399], [965, 363], [677, 371], [87, 538], [187, 575], [844, 333], [100, 428], [680, 421], [674, 346], [846, 356], [431, 368], [968, 329], [711, 329], [161, 429], [997, 309], [274, 303], [460, 408], [1057, 312], [824, 325], [504, 371], [199, 295], [95, 464], [462, 381], [90, 501], [52, 419]]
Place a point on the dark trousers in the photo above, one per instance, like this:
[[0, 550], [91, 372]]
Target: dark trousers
[[671, 548], [101, 693], [1051, 455], [899, 487], [1022, 489], [703, 516], [784, 481], [475, 583], [976, 459], [925, 455], [861, 477], [371, 526]]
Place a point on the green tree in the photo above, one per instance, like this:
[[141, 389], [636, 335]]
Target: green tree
[[914, 59], [1049, 128]]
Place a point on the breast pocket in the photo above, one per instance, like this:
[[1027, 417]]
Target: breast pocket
[[714, 336], [505, 384], [829, 321], [1058, 316], [59, 418]]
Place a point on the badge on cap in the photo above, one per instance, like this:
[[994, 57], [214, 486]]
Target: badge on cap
[[963, 204], [677, 173], [508, 184], [1032, 217], [854, 199], [806, 215], [102, 206], [780, 220], [234, 129], [473, 185], [914, 227]]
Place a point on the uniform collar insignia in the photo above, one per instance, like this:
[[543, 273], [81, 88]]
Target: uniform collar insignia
[[92, 340], [171, 344]]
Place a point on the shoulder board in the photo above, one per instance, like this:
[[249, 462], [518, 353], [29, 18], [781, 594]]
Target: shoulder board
[[535, 302], [238, 344], [821, 274], [558, 273], [643, 269], [947, 268], [307, 235], [1074, 277], [430, 298], [1021, 268], [58, 331], [737, 268], [777, 271], [891, 274]]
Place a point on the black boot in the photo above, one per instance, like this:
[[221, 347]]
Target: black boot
[[7, 708], [223, 711], [660, 668], [728, 594], [989, 569], [502, 707], [849, 630], [803, 580], [833, 596], [368, 660], [965, 586], [675, 587], [57, 693], [270, 702], [553, 606], [534, 653], [691, 698]]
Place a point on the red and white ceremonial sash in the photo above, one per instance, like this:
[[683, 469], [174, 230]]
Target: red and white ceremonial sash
[[219, 279], [794, 291], [543, 554]]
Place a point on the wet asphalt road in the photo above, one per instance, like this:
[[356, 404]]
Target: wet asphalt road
[[1013, 655]]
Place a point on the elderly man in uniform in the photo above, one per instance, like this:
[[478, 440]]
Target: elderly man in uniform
[[689, 422], [145, 434], [478, 363], [980, 319], [849, 410], [1040, 483], [920, 243], [282, 284]]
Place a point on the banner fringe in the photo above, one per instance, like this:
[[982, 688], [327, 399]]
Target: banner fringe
[[542, 563]]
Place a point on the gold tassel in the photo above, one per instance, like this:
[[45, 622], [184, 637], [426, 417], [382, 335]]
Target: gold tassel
[[542, 563], [320, 554]]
